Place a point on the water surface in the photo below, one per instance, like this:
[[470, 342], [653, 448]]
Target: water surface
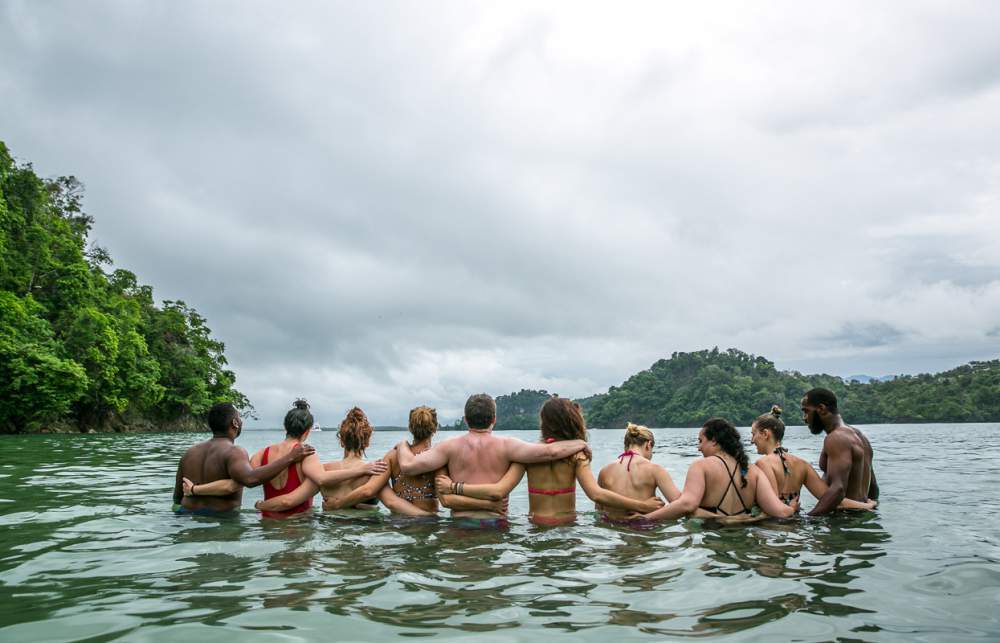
[[89, 550]]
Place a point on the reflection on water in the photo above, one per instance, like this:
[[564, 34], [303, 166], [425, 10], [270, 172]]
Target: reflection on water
[[89, 550]]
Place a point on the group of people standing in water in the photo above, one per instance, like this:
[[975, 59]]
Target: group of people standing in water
[[474, 473]]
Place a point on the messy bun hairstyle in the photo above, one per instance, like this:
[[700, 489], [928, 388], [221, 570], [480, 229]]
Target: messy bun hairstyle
[[772, 422], [638, 435], [723, 433], [561, 419], [298, 420], [355, 431], [423, 423]]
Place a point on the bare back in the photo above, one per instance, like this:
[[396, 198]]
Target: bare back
[[634, 477], [207, 462], [477, 457], [559, 475], [860, 477], [724, 490], [337, 490], [787, 486], [413, 489]]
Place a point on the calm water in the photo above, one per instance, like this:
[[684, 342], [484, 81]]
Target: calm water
[[90, 550]]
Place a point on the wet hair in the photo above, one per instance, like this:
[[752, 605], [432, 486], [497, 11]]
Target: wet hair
[[723, 433], [423, 423], [298, 420], [562, 419], [772, 422], [824, 396], [355, 431], [638, 435], [221, 416], [480, 411]]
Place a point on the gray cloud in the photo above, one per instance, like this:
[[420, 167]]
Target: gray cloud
[[388, 207]]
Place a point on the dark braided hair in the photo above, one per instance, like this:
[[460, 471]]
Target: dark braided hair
[[298, 420], [723, 433]]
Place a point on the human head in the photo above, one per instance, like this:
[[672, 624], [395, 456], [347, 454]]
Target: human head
[[355, 431], [223, 417], [718, 434], [298, 421], [480, 411], [423, 423], [561, 419], [640, 437], [767, 427], [818, 404]]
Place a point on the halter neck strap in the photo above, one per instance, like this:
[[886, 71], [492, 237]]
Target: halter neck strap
[[631, 454]]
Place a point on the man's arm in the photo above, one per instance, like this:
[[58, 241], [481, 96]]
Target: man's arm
[[179, 481], [240, 470], [838, 471], [284, 502], [224, 487], [496, 491], [465, 503], [429, 460], [532, 452]]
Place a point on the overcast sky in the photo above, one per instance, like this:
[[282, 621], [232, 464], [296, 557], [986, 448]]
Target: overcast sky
[[397, 204]]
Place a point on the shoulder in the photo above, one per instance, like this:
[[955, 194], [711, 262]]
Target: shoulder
[[580, 458], [390, 456]]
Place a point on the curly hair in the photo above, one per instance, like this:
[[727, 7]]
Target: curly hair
[[723, 433], [355, 431], [423, 423]]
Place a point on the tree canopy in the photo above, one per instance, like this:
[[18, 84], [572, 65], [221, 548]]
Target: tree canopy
[[688, 388], [80, 342]]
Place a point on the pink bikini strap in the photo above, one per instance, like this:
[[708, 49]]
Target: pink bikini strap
[[631, 454]]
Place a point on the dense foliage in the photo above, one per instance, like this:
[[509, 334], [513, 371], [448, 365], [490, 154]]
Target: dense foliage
[[688, 388], [82, 345]]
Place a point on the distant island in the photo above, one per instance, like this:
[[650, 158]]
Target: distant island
[[688, 388], [82, 348]]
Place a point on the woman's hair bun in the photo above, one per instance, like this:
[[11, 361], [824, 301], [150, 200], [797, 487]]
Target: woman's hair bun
[[301, 404], [633, 429], [776, 411]]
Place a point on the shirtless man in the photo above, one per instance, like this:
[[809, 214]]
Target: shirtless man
[[479, 456], [846, 459], [219, 459]]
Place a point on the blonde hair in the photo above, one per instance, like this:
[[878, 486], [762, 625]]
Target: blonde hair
[[423, 423], [637, 434]]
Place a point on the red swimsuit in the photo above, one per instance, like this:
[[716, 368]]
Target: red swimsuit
[[291, 484]]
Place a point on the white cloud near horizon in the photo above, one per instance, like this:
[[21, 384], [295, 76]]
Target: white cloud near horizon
[[400, 204]]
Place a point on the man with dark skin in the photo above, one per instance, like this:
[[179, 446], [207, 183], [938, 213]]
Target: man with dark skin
[[846, 458], [219, 459]]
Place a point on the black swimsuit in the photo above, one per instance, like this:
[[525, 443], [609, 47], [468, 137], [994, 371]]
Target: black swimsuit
[[732, 483]]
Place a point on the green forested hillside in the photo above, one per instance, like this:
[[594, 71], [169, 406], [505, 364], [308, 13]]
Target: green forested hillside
[[688, 388], [81, 347]]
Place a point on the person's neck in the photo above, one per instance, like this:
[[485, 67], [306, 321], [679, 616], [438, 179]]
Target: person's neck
[[423, 444], [833, 424], [771, 445], [292, 440], [353, 455], [488, 429], [226, 437]]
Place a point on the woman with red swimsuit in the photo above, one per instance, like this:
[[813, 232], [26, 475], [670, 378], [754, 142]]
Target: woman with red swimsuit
[[552, 485]]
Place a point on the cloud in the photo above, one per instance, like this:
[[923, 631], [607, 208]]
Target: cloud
[[389, 207]]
